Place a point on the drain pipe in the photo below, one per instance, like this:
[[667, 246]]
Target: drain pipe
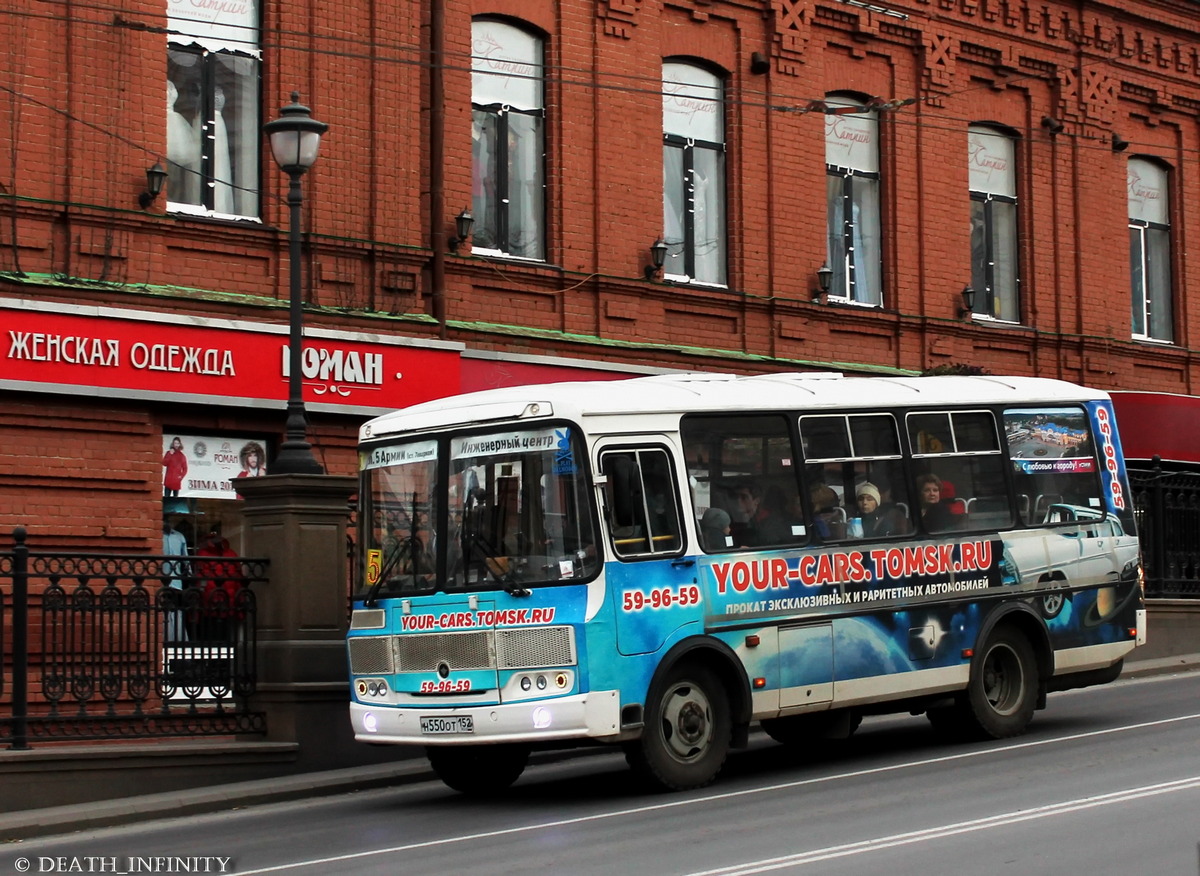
[[437, 162]]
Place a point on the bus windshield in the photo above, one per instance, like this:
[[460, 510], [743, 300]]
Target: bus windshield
[[507, 509]]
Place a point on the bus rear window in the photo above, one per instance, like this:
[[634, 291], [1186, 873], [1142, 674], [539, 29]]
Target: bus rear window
[[1054, 464]]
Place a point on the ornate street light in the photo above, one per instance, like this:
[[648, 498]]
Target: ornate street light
[[295, 138]]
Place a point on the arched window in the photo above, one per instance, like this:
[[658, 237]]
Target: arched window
[[991, 163], [1150, 249], [508, 140], [852, 176], [693, 174], [214, 135]]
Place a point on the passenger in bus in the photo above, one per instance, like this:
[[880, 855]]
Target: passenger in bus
[[879, 519], [715, 528], [828, 516], [935, 515], [761, 524]]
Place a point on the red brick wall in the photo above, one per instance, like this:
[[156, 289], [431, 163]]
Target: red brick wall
[[81, 117]]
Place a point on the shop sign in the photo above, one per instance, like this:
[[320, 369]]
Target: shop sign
[[138, 354]]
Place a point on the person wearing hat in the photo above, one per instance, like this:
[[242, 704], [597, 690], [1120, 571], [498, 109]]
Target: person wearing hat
[[714, 529], [879, 520]]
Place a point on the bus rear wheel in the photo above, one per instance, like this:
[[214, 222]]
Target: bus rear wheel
[[1002, 694], [688, 730], [479, 770]]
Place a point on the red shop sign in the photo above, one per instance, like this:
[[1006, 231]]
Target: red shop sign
[[169, 356]]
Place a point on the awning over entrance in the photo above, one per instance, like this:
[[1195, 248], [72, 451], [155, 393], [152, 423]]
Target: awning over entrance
[[1159, 423]]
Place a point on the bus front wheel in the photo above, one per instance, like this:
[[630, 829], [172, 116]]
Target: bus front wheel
[[479, 770], [687, 733]]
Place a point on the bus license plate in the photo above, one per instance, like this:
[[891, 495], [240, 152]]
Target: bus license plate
[[457, 724]]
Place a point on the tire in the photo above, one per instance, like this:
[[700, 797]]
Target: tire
[[688, 730], [479, 770], [803, 730], [1003, 691]]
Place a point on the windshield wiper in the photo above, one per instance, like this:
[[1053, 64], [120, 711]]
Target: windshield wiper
[[410, 546], [491, 562]]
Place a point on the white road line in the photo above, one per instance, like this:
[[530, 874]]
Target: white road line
[[917, 836], [729, 795]]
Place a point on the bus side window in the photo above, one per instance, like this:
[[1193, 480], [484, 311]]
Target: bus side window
[[640, 501], [1054, 462]]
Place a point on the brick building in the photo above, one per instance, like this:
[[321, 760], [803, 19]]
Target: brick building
[[1039, 154]]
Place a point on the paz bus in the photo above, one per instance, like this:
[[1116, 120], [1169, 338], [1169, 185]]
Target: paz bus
[[665, 562]]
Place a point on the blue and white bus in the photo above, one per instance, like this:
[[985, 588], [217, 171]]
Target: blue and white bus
[[665, 562]]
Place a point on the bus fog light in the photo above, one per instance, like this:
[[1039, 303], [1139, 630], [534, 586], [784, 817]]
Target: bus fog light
[[369, 723], [541, 718]]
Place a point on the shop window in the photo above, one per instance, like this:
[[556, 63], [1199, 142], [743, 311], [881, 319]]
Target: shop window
[[992, 173], [508, 141], [214, 136], [853, 202], [1150, 250], [693, 174]]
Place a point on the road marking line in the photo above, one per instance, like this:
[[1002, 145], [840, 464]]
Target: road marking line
[[728, 795], [903, 839]]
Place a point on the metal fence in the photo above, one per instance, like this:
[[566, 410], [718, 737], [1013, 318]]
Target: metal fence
[[1167, 507], [119, 646]]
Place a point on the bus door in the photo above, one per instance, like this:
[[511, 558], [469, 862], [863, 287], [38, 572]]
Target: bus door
[[653, 583]]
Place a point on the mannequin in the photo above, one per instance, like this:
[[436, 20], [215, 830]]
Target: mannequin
[[222, 173], [183, 154]]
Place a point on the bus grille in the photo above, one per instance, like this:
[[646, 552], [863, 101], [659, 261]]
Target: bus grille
[[423, 653], [371, 655], [535, 647]]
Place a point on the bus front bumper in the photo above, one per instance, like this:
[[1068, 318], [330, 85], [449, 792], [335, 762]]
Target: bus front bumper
[[584, 716]]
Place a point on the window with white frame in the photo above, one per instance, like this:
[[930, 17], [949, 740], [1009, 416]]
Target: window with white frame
[[993, 183], [214, 137], [693, 174], [852, 176], [1150, 250], [508, 140]]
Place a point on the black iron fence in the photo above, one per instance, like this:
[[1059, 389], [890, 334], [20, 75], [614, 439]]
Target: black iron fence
[[1167, 507], [117, 646]]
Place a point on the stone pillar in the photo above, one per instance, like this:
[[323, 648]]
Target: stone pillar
[[299, 523]]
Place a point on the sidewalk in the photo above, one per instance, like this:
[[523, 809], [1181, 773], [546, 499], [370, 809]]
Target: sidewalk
[[127, 810]]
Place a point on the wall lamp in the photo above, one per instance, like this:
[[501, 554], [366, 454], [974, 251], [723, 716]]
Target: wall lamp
[[1119, 143], [658, 257], [824, 278], [464, 222], [1053, 125], [968, 301], [155, 177]]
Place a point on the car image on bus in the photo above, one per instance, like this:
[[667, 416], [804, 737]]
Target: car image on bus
[[665, 562]]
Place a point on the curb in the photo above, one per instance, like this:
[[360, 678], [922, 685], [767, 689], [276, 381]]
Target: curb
[[58, 820]]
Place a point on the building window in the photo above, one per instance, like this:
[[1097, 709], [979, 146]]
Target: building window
[[214, 137], [1150, 250], [993, 182], [852, 174], [693, 174], [508, 147]]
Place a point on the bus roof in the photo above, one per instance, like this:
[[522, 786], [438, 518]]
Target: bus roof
[[701, 392]]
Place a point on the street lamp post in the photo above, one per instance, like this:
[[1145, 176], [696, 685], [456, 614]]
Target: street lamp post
[[295, 138]]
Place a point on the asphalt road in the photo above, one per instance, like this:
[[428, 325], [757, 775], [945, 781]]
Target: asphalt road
[[1107, 781]]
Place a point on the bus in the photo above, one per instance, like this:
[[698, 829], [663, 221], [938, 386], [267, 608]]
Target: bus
[[666, 563]]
